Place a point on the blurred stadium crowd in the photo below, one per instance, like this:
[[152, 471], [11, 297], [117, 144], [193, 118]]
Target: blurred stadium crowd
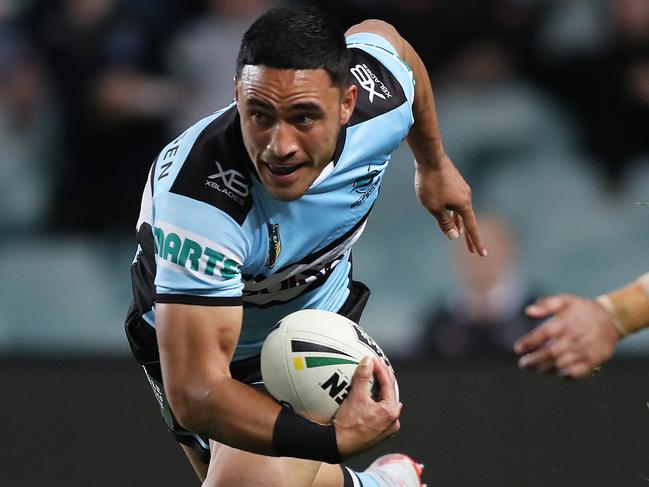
[[544, 107]]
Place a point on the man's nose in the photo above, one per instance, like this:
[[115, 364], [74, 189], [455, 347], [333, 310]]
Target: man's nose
[[283, 143]]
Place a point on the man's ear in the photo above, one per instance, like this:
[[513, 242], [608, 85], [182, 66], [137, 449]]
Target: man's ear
[[236, 88], [348, 103]]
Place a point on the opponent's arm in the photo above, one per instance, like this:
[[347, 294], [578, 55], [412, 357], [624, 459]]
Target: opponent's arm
[[196, 345], [438, 184], [582, 333]]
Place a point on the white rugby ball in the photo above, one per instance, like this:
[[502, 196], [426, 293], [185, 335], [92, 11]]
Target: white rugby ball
[[308, 360]]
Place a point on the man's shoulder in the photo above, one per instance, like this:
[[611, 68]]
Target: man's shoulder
[[216, 169], [379, 75]]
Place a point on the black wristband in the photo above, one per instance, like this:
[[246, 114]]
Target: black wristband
[[296, 436]]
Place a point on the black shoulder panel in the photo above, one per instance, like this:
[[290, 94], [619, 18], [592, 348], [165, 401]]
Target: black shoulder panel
[[379, 91], [217, 170]]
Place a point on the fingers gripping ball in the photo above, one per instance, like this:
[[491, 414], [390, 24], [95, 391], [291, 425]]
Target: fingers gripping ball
[[308, 360]]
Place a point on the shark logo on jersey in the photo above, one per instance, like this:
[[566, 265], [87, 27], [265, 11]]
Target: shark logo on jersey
[[365, 186], [274, 244], [230, 182], [368, 82]]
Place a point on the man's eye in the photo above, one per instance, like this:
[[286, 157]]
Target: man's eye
[[304, 119], [258, 117]]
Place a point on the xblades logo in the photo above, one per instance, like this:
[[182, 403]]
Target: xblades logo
[[232, 183], [368, 82]]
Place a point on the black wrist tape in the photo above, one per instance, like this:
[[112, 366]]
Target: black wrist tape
[[296, 436]]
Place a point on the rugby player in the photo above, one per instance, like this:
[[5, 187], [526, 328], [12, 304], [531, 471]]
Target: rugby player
[[581, 333], [250, 214]]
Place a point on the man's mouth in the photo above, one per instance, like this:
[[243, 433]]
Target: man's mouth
[[283, 169]]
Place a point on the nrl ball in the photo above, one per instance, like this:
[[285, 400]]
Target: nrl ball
[[309, 358]]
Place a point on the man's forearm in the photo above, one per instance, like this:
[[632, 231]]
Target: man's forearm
[[232, 413], [628, 307], [239, 416], [424, 137]]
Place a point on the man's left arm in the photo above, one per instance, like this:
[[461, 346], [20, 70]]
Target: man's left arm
[[438, 184]]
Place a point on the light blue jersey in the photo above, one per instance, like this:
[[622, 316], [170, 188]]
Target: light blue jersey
[[209, 233]]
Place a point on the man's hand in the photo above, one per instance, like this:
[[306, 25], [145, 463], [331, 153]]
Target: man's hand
[[442, 190], [578, 338], [361, 422]]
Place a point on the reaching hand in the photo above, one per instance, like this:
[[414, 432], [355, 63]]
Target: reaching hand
[[361, 422], [443, 192], [577, 338]]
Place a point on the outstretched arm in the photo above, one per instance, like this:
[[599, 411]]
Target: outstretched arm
[[580, 333], [438, 184]]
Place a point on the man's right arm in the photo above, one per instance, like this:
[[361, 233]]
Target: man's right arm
[[196, 345]]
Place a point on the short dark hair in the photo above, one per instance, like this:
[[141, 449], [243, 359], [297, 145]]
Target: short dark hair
[[296, 38]]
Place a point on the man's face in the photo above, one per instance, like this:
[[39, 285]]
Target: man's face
[[290, 121]]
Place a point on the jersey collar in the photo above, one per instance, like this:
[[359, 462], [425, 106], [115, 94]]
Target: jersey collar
[[328, 169]]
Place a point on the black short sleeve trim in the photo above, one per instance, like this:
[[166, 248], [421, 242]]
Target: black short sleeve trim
[[198, 300]]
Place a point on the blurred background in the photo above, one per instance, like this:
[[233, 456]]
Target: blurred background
[[544, 107]]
